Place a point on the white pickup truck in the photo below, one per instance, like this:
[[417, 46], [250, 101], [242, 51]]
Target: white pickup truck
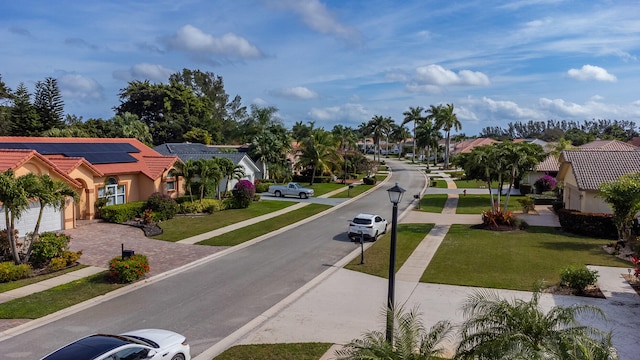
[[291, 189]]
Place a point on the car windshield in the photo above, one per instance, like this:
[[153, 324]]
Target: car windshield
[[361, 221], [89, 347]]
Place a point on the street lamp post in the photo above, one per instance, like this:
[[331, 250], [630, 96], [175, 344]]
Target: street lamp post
[[395, 195], [361, 247]]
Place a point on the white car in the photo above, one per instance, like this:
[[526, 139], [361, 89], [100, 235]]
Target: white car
[[369, 226], [145, 344]]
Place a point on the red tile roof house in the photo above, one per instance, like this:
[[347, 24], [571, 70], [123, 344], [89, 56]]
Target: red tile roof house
[[123, 170], [583, 169]]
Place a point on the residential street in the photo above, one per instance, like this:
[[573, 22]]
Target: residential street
[[208, 302]]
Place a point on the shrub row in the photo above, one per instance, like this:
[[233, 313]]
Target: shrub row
[[542, 199], [123, 212], [12, 272], [129, 269], [369, 181], [205, 206], [588, 224]]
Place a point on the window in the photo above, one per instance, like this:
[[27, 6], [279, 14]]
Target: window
[[114, 193], [171, 181]]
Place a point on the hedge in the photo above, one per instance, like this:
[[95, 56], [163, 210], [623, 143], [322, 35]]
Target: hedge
[[588, 224], [123, 212]]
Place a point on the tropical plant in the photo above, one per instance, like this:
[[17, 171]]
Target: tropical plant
[[379, 125], [623, 195], [210, 176], [495, 328], [414, 114], [446, 120], [243, 193], [412, 340], [229, 170], [578, 277], [318, 152], [14, 196], [188, 171]]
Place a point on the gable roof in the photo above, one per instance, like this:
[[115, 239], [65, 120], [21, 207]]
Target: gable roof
[[593, 167], [468, 145], [15, 158], [194, 151], [549, 164], [107, 157], [608, 145]]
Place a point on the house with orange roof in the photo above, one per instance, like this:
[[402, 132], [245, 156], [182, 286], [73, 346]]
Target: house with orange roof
[[120, 170]]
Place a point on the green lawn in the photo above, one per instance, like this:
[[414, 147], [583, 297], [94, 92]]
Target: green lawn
[[377, 256], [60, 297], [295, 351], [433, 203], [252, 231], [474, 184], [6, 286], [182, 227], [512, 260], [440, 184], [355, 191], [323, 188], [475, 204]]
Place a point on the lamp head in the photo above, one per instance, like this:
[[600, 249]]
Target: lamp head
[[395, 194]]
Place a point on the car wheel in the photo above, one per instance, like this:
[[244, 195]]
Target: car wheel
[[385, 229], [375, 237], [303, 196], [278, 194], [178, 357]]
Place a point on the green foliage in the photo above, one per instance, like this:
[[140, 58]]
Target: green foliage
[[297, 351], [48, 246], [163, 206], [527, 204], [369, 181], [525, 188], [262, 187], [498, 218], [57, 263], [123, 212], [623, 195], [243, 193], [588, 224], [12, 272], [129, 269], [205, 206], [578, 277]]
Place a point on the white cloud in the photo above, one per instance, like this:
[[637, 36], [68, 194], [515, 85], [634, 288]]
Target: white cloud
[[317, 17], [352, 113], [298, 92], [260, 102], [508, 110], [563, 108], [590, 72], [193, 40], [80, 87], [153, 72], [439, 76]]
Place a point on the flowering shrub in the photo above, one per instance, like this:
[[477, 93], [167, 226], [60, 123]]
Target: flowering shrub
[[495, 219], [11, 272], [545, 183], [635, 259], [578, 277], [243, 193], [162, 205], [129, 269], [49, 245], [147, 216]]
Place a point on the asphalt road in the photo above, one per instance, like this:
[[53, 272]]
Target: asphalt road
[[211, 301]]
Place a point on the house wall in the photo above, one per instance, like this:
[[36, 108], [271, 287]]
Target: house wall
[[582, 200]]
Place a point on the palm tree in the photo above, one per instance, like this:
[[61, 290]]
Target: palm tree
[[15, 200], [412, 341], [229, 170], [378, 126], [187, 170], [413, 115], [495, 328], [365, 131], [49, 192], [427, 135], [399, 134], [318, 152], [446, 119], [520, 158], [209, 174]]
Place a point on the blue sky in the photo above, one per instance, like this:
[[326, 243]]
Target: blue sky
[[341, 62]]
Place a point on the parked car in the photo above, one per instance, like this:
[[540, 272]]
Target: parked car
[[369, 226], [291, 189], [145, 344]]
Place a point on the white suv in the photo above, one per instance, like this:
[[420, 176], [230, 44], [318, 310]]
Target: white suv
[[368, 225]]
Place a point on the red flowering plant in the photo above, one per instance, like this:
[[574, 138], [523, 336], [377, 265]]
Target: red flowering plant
[[243, 193], [635, 259], [129, 269]]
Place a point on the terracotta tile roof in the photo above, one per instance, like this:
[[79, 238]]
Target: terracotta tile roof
[[68, 164], [610, 145], [148, 161], [593, 167], [468, 145], [13, 159], [549, 164]]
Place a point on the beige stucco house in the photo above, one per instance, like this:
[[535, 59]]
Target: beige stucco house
[[121, 170]]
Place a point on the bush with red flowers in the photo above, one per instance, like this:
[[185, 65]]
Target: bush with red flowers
[[129, 269], [243, 193]]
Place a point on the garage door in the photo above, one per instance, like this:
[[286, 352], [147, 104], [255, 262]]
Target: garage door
[[51, 219]]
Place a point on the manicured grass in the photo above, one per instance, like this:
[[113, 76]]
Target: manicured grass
[[182, 227], [323, 188], [475, 204], [440, 184], [60, 297], [295, 351], [252, 231], [377, 256], [473, 184], [355, 191], [32, 280], [512, 260], [433, 203]]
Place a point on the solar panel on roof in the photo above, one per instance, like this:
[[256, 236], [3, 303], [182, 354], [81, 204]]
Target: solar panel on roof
[[95, 153]]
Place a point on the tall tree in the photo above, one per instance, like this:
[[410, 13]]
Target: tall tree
[[209, 175], [127, 125], [414, 114], [427, 135], [15, 193], [229, 171], [400, 134], [5, 110], [319, 151], [623, 195], [24, 119], [188, 171], [379, 125], [495, 328], [48, 104], [446, 119], [519, 159]]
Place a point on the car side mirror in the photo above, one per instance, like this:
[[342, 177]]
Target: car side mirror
[[151, 354]]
